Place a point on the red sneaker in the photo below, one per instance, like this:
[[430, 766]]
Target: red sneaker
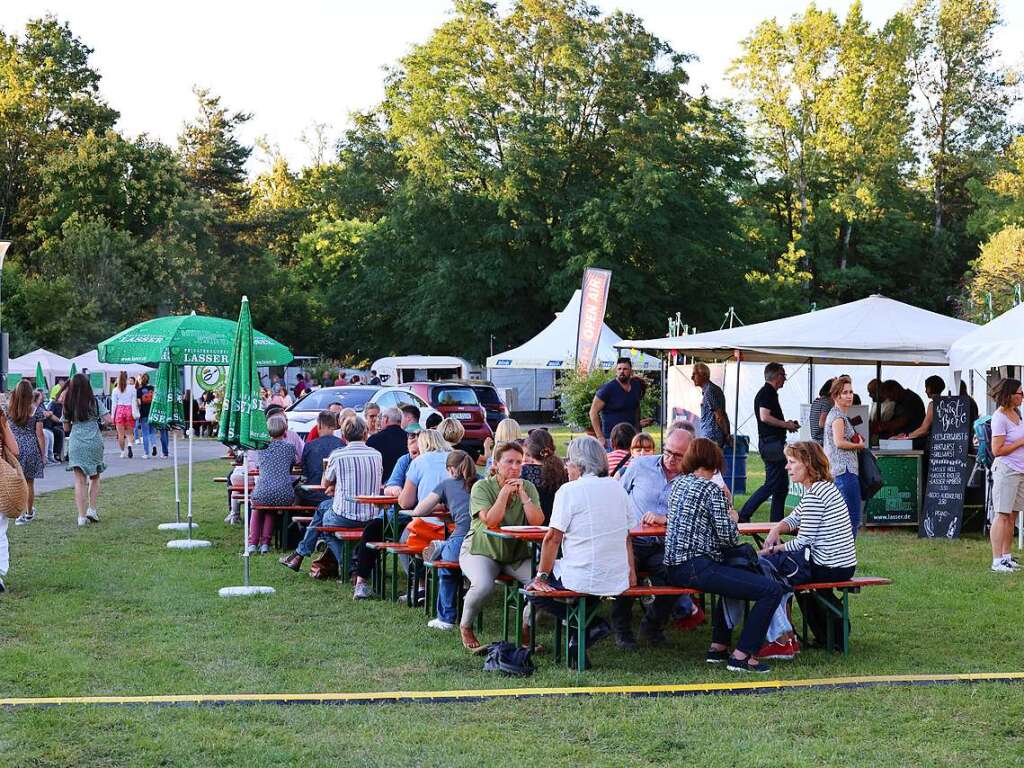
[[784, 651], [692, 621]]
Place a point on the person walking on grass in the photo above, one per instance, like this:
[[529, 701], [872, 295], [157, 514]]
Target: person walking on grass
[[1007, 472], [5, 552], [26, 422], [85, 446], [123, 404]]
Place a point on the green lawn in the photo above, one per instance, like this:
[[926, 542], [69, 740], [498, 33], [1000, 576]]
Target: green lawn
[[109, 610]]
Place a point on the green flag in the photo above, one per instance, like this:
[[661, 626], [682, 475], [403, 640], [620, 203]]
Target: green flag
[[167, 411], [242, 422], [187, 340], [40, 379]]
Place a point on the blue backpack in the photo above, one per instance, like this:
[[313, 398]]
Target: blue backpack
[[983, 434]]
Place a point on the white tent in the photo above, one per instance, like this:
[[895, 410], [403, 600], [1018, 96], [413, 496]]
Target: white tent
[[530, 369], [872, 330], [90, 361], [994, 344], [53, 364]]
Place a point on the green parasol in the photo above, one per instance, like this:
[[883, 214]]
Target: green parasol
[[40, 379], [186, 340], [73, 371], [167, 411], [242, 422], [243, 425]]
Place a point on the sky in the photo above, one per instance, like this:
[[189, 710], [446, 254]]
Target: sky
[[314, 61]]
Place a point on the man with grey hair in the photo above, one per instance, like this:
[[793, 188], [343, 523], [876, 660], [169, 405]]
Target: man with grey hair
[[771, 444], [354, 470], [647, 481], [590, 522], [391, 440], [714, 421], [372, 415]]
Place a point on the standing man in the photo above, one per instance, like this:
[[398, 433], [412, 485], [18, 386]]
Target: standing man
[[617, 401], [714, 422], [374, 378], [771, 442]]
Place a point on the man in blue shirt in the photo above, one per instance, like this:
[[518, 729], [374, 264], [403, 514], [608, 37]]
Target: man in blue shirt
[[314, 453], [714, 422], [617, 401], [648, 480]]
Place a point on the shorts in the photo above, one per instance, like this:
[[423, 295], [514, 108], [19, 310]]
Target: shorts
[[123, 416], [1007, 489]]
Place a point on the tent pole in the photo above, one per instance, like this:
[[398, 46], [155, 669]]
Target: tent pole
[[736, 422], [664, 397], [177, 485], [191, 437]]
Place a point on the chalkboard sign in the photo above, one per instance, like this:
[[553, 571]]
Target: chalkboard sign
[[942, 515]]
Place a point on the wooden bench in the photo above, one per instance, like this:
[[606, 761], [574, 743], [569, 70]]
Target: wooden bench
[[842, 611], [392, 549], [577, 620]]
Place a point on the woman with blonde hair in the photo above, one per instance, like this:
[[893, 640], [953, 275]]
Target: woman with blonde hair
[[7, 437], [122, 401], [452, 431], [26, 422], [507, 431]]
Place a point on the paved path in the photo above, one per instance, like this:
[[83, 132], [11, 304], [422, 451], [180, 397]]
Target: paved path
[[57, 477]]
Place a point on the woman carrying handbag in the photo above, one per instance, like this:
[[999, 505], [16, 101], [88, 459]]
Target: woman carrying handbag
[[13, 493]]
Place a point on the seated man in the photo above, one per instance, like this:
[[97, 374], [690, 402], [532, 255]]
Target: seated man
[[314, 433], [396, 480], [648, 480], [314, 453], [391, 440], [354, 470], [410, 415], [590, 521]]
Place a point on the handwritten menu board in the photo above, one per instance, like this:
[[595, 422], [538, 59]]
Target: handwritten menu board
[[950, 437]]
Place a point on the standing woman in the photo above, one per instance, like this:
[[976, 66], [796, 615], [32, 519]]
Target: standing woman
[[26, 422], [1007, 471], [123, 405], [842, 444], [85, 446], [5, 553]]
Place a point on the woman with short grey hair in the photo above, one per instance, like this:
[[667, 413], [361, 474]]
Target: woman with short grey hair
[[274, 485], [588, 456]]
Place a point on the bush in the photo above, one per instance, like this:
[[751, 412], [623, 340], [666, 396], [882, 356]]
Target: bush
[[576, 392]]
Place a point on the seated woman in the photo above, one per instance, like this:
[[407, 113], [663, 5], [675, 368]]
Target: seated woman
[[642, 444], [274, 485], [621, 438], [590, 523], [452, 431], [453, 492], [700, 530], [425, 473], [824, 545], [543, 468], [507, 431], [504, 498]]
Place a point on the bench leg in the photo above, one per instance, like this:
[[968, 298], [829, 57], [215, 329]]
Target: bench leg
[[346, 560], [843, 613], [581, 636]]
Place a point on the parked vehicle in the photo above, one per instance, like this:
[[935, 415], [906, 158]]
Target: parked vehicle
[[302, 414], [489, 398], [409, 368], [459, 401]]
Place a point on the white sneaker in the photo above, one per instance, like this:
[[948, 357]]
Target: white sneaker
[[250, 549], [438, 624], [232, 518], [83, 521], [92, 514], [264, 549], [1002, 567], [26, 517], [138, 441], [145, 455], [1014, 565], [122, 454]]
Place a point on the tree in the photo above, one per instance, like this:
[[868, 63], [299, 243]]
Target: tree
[[996, 274], [212, 154], [999, 201]]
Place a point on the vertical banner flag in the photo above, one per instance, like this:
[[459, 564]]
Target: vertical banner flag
[[593, 301]]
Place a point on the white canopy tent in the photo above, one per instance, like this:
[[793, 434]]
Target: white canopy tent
[[53, 364], [995, 344], [90, 361], [530, 368]]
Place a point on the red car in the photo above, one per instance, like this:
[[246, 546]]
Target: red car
[[459, 402]]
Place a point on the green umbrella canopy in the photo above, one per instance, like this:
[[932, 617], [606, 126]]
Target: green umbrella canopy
[[242, 422], [73, 371], [187, 340], [167, 411], [40, 379]]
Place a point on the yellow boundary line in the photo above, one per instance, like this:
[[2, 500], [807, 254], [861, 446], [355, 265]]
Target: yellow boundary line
[[394, 697]]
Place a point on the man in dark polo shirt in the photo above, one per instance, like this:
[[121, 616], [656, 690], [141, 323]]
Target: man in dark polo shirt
[[618, 401], [771, 440], [391, 440]]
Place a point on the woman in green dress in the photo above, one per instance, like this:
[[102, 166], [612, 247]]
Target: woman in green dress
[[85, 446]]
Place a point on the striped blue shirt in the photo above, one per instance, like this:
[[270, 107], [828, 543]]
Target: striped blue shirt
[[356, 470]]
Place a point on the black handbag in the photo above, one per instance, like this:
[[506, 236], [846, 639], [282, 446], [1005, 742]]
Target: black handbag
[[742, 556], [869, 474]]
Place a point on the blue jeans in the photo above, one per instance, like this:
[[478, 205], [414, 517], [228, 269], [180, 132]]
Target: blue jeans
[[849, 485], [324, 515], [163, 442], [705, 574], [142, 425], [451, 581], [776, 485]]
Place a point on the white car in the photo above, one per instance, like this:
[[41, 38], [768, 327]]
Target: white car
[[302, 415]]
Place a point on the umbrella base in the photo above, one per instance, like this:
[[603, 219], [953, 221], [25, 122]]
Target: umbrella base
[[176, 526], [244, 591], [187, 544]]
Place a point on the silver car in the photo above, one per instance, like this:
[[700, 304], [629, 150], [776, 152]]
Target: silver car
[[303, 413]]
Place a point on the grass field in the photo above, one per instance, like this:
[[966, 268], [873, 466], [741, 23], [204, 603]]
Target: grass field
[[110, 610]]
